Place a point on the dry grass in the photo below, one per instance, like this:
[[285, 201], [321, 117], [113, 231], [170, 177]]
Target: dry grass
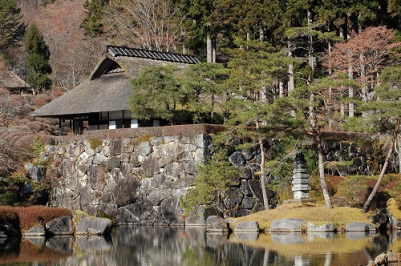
[[392, 206], [36, 215], [8, 215], [30, 216], [310, 212]]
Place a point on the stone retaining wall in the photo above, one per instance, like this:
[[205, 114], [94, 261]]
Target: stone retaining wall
[[135, 179], [139, 176]]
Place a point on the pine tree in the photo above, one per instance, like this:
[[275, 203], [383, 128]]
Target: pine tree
[[394, 8], [307, 111], [213, 181], [157, 93], [38, 60], [202, 90], [385, 117], [255, 72], [199, 14], [92, 23], [12, 30]]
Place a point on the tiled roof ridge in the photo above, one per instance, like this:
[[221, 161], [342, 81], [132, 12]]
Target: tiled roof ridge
[[156, 55]]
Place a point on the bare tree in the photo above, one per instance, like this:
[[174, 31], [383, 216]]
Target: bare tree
[[146, 24], [362, 57], [71, 56]]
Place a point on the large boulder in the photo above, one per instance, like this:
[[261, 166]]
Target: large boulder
[[196, 217], [60, 226], [36, 173], [216, 224], [37, 230], [237, 159], [247, 227], [287, 225], [360, 227], [6, 231], [89, 225], [330, 227]]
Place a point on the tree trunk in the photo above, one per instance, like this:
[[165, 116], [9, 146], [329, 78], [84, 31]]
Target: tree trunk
[[262, 176], [311, 110], [383, 171], [261, 35], [310, 48], [351, 107], [209, 49], [349, 28], [280, 89], [364, 89], [323, 183], [212, 111], [291, 84], [342, 110], [214, 47], [399, 155], [330, 89]]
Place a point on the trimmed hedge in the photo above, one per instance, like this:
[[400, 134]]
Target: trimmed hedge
[[25, 218], [176, 130]]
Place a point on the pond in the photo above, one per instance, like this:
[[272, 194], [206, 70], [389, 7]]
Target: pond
[[141, 245]]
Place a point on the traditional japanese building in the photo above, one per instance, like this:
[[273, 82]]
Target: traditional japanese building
[[12, 82], [102, 101]]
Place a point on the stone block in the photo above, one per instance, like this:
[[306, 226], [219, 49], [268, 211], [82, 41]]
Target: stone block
[[287, 225], [38, 230], [247, 227], [360, 227], [321, 228], [60, 226], [89, 225], [216, 224]]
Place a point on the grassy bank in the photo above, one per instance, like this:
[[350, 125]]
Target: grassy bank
[[310, 212]]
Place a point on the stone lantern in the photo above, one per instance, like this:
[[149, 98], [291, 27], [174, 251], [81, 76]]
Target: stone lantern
[[300, 179]]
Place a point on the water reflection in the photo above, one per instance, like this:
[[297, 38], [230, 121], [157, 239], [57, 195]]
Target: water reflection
[[318, 248], [135, 245]]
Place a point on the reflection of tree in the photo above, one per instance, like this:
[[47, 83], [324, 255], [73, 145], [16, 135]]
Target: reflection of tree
[[327, 262], [144, 245], [198, 256], [318, 249]]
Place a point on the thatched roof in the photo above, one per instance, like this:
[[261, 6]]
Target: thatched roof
[[109, 85], [110, 92], [10, 80]]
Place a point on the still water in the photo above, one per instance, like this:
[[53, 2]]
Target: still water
[[139, 245]]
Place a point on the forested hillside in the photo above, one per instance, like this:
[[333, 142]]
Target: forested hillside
[[76, 31], [72, 57], [289, 70]]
